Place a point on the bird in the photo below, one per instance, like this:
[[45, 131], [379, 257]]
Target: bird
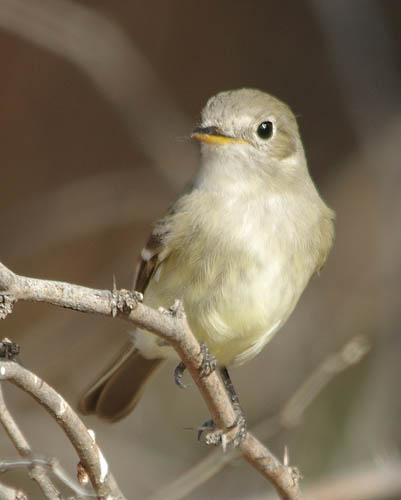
[[238, 246]]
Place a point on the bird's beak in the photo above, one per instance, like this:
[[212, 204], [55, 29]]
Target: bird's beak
[[214, 135]]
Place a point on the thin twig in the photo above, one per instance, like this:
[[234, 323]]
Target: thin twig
[[352, 352], [50, 463], [37, 472], [88, 451], [174, 329], [289, 417], [101, 209], [375, 480]]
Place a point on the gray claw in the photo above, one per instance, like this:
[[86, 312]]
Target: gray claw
[[178, 373]]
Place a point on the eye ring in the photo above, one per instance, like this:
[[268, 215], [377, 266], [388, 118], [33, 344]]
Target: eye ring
[[265, 130]]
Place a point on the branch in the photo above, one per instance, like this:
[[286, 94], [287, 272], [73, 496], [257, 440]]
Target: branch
[[88, 451], [376, 480], [288, 418], [173, 328], [106, 55], [53, 465], [37, 472]]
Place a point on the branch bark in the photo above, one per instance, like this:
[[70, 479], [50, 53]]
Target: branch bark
[[172, 327], [289, 417], [88, 451], [38, 473]]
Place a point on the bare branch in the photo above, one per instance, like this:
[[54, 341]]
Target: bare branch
[[367, 481], [88, 451], [350, 354], [53, 465], [104, 208], [103, 52], [173, 328], [289, 417], [37, 472]]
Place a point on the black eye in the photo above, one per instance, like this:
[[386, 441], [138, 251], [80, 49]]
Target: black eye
[[265, 130]]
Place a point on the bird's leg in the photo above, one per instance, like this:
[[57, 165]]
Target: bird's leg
[[240, 421], [216, 436], [207, 367]]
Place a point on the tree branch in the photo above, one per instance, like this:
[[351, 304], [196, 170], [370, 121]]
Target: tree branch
[[378, 479], [54, 466], [88, 451], [172, 327], [37, 472], [107, 56], [288, 418]]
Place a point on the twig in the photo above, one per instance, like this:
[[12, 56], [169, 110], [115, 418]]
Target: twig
[[98, 206], [367, 481], [174, 329], [349, 355], [37, 472], [53, 465], [289, 417], [88, 451]]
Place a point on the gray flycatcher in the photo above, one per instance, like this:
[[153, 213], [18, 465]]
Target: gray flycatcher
[[238, 247]]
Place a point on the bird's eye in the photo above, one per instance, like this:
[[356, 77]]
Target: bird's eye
[[265, 130]]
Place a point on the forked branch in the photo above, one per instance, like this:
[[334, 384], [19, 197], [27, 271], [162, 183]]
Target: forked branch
[[172, 327]]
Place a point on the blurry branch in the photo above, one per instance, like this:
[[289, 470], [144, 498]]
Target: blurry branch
[[369, 481], [53, 466], [36, 472], [289, 417], [349, 34], [9, 493], [88, 451], [124, 77], [172, 327], [352, 353], [101, 200]]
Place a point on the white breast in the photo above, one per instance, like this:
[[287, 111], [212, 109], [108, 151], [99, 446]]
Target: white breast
[[240, 276]]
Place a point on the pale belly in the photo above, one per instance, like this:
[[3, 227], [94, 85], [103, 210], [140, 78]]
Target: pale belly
[[234, 304]]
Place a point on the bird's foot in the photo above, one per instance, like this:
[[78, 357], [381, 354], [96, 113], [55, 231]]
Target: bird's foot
[[207, 367], [207, 426], [234, 435], [178, 373], [209, 362], [239, 428]]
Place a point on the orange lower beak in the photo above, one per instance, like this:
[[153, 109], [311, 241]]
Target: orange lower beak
[[214, 135]]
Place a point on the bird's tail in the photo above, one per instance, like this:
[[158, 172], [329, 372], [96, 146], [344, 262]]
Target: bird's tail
[[120, 387]]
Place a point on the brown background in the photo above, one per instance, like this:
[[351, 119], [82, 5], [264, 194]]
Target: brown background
[[97, 101]]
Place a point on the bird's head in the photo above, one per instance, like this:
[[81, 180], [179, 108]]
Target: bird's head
[[253, 128]]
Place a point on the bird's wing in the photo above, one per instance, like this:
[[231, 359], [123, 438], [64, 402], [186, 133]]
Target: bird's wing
[[154, 252], [156, 249], [119, 387]]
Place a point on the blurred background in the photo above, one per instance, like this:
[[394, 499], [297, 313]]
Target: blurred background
[[97, 102]]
